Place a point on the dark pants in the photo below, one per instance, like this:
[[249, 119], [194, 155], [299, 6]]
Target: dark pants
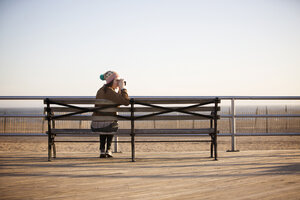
[[105, 139]]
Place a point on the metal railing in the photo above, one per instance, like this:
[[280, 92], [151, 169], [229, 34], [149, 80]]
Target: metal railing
[[232, 116]]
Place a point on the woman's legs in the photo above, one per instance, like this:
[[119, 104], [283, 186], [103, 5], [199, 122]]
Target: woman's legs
[[108, 147], [102, 146], [105, 140], [109, 141]]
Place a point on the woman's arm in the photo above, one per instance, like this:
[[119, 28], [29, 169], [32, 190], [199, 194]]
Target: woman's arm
[[119, 98]]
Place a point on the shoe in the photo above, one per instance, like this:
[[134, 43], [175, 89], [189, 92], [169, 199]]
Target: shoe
[[102, 154], [109, 154]]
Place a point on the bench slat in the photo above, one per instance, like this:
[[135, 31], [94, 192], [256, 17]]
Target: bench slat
[[66, 109], [78, 131], [127, 109], [142, 100], [174, 100], [89, 118], [80, 101], [174, 131], [173, 117], [112, 118], [137, 131]]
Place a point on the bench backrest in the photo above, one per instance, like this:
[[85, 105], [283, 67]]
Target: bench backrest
[[140, 109]]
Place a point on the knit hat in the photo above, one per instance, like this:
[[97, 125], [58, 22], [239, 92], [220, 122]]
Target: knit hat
[[109, 76]]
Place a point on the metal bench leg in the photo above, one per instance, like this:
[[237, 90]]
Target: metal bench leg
[[49, 147], [212, 139], [215, 148], [212, 149], [54, 150], [132, 148]]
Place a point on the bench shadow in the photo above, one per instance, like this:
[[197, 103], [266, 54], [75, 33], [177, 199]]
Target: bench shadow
[[156, 167], [287, 169]]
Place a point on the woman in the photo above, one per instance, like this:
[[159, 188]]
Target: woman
[[107, 91]]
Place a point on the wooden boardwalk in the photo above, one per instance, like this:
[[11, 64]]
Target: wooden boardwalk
[[273, 174]]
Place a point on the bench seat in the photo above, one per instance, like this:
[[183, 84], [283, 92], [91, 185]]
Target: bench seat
[[137, 132]]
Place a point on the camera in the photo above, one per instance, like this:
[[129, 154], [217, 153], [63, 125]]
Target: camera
[[120, 80]]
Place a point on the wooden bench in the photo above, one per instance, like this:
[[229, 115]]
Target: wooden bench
[[149, 109]]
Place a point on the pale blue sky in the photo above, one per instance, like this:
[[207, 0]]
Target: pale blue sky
[[161, 47]]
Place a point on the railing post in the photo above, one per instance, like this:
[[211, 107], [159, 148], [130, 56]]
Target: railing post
[[233, 127], [267, 120], [49, 130], [80, 124], [132, 130], [4, 123], [116, 144], [216, 128]]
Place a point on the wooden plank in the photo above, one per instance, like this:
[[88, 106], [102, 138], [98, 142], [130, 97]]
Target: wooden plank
[[127, 109], [66, 109], [158, 174], [174, 100], [149, 109], [111, 118], [137, 131], [83, 132], [81, 101], [71, 100], [142, 100], [89, 118], [173, 117], [174, 131]]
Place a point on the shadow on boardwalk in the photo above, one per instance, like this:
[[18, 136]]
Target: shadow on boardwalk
[[259, 174]]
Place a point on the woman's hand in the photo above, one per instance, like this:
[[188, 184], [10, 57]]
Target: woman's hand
[[121, 84]]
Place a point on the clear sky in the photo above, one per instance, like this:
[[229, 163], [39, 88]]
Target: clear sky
[[161, 47]]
